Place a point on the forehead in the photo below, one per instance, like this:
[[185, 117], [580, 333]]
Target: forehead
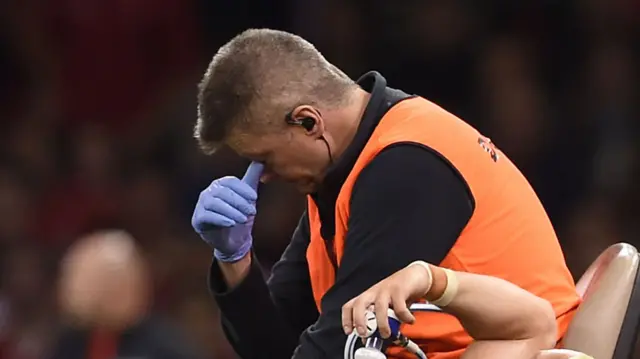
[[254, 145]]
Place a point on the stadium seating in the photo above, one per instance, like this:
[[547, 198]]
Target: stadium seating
[[606, 323]]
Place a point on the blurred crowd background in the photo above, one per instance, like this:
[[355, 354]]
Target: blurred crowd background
[[98, 100]]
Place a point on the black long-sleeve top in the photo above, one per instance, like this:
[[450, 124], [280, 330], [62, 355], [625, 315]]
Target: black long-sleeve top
[[408, 203]]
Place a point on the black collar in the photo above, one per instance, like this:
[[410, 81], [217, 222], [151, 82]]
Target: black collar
[[375, 84], [381, 100]]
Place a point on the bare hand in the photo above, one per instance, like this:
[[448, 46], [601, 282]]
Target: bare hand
[[397, 291]]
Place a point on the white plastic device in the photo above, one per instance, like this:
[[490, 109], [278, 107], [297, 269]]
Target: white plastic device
[[373, 342]]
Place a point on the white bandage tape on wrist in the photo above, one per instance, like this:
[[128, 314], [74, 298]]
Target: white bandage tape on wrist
[[450, 291], [428, 269]]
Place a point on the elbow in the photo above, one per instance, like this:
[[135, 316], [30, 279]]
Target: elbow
[[544, 329]]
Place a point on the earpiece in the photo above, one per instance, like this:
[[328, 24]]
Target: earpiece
[[308, 123]]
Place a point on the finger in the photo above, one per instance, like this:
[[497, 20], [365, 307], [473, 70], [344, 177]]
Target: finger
[[371, 324], [252, 176], [236, 185], [347, 317], [399, 303], [218, 206], [382, 317], [235, 200], [359, 308], [205, 220]]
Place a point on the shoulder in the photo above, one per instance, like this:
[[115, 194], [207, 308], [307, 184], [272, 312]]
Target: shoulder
[[409, 166]]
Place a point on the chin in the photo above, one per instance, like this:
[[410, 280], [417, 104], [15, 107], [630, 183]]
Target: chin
[[307, 187]]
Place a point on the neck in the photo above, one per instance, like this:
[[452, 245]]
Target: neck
[[348, 120]]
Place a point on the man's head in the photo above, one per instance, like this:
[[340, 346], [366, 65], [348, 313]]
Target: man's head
[[258, 80], [104, 281]]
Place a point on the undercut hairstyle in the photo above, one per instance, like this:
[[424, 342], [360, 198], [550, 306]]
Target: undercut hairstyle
[[259, 76]]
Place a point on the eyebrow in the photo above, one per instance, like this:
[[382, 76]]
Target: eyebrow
[[255, 155]]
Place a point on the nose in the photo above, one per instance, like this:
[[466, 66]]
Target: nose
[[266, 177]]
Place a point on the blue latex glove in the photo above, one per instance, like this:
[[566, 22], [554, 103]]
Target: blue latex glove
[[224, 214]]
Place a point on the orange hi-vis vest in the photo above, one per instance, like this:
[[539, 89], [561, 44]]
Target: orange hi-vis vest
[[509, 235]]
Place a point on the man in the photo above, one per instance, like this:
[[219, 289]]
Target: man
[[105, 296], [391, 178]]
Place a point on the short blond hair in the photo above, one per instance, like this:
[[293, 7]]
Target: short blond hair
[[259, 75]]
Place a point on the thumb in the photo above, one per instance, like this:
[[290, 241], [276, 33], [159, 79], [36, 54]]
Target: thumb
[[252, 176]]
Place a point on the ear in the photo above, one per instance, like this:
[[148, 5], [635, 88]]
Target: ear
[[309, 119]]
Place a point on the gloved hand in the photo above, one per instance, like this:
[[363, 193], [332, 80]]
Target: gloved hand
[[224, 214]]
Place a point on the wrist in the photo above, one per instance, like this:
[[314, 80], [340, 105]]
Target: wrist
[[235, 256], [438, 284], [424, 268], [445, 287]]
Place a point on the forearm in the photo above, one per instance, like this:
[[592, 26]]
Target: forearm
[[490, 308], [252, 322], [508, 349], [234, 273]]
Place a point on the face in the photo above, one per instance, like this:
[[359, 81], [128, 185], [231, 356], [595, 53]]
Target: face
[[292, 154]]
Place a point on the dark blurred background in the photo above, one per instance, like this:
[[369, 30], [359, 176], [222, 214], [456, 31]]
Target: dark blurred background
[[98, 100]]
